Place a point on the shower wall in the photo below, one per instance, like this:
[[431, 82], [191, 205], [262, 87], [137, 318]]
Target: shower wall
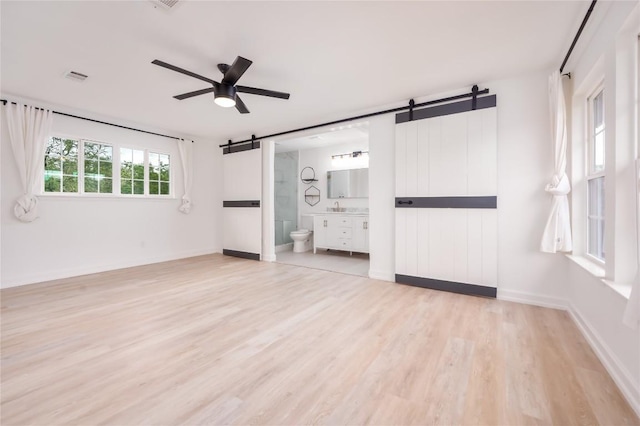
[[285, 195]]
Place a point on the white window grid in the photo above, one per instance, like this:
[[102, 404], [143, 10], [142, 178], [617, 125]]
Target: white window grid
[[115, 172], [592, 173]]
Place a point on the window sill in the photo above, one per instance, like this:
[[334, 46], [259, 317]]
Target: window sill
[[104, 196], [623, 290], [598, 271], [591, 267]]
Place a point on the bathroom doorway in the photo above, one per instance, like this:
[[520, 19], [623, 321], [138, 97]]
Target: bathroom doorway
[[321, 200]]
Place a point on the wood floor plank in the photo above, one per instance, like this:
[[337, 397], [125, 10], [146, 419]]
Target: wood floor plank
[[221, 340]]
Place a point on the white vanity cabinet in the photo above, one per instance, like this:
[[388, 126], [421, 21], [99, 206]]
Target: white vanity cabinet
[[341, 232], [360, 238], [319, 232]]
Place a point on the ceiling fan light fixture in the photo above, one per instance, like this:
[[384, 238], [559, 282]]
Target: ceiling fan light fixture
[[225, 96], [224, 101]]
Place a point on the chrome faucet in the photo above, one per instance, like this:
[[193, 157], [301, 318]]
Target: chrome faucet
[[337, 204]]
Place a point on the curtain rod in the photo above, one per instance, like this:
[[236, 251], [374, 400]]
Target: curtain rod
[[575, 39], [473, 94], [4, 102]]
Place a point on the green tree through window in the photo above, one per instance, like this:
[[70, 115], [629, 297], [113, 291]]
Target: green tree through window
[[98, 168], [159, 174], [61, 165]]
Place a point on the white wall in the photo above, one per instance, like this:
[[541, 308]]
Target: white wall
[[610, 55], [79, 235], [525, 165], [382, 252], [320, 160]]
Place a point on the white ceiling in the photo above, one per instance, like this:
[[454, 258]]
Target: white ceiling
[[341, 135], [335, 58]]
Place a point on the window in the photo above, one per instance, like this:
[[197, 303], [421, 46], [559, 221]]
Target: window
[[61, 165], [98, 168], [596, 176], [81, 166], [158, 174], [131, 171]]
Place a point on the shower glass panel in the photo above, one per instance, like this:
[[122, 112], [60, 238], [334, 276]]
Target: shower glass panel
[[286, 195]]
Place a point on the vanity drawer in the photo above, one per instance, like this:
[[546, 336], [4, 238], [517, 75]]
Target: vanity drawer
[[344, 243], [337, 233], [340, 222], [343, 232]]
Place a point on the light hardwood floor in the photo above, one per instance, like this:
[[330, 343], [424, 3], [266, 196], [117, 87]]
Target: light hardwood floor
[[218, 340]]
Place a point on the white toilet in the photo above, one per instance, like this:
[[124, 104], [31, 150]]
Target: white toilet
[[302, 237]]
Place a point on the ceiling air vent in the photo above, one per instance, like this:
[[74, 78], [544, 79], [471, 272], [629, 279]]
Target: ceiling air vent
[[76, 76], [165, 4]]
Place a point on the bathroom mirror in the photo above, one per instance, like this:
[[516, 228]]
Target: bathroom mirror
[[312, 196], [352, 183]]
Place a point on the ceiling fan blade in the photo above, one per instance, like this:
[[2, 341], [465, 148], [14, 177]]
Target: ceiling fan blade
[[262, 92], [182, 71], [196, 93], [240, 106], [235, 71]]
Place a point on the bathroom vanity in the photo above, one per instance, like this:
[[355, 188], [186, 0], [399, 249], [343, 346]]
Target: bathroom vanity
[[340, 231]]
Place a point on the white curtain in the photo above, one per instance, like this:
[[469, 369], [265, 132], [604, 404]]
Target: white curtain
[[186, 155], [557, 232], [29, 129], [632, 312]]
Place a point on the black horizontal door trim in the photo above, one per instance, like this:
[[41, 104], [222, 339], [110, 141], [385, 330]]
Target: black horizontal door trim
[[451, 286], [447, 109], [241, 203], [239, 148], [242, 254], [486, 202]]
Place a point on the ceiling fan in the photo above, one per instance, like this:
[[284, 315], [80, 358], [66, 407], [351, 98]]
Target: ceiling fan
[[226, 92]]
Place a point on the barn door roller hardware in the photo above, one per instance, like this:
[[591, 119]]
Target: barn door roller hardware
[[474, 97], [410, 106]]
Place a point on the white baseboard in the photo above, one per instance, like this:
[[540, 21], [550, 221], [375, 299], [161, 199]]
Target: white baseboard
[[532, 299], [612, 364], [614, 367], [382, 275], [268, 258], [42, 276]]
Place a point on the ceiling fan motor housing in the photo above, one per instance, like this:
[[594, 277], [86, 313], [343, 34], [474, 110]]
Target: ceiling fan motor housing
[[225, 95], [226, 91]]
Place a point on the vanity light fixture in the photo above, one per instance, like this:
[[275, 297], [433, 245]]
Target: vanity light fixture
[[351, 159]]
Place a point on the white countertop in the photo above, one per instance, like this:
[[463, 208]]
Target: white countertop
[[337, 213]]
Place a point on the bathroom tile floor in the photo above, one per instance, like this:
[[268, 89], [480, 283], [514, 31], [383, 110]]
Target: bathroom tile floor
[[328, 260]]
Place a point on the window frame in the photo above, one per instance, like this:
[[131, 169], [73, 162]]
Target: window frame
[[116, 177], [590, 173], [61, 193], [160, 181], [81, 160]]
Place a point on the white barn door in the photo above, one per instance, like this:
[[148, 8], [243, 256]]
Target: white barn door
[[446, 203], [242, 212]]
